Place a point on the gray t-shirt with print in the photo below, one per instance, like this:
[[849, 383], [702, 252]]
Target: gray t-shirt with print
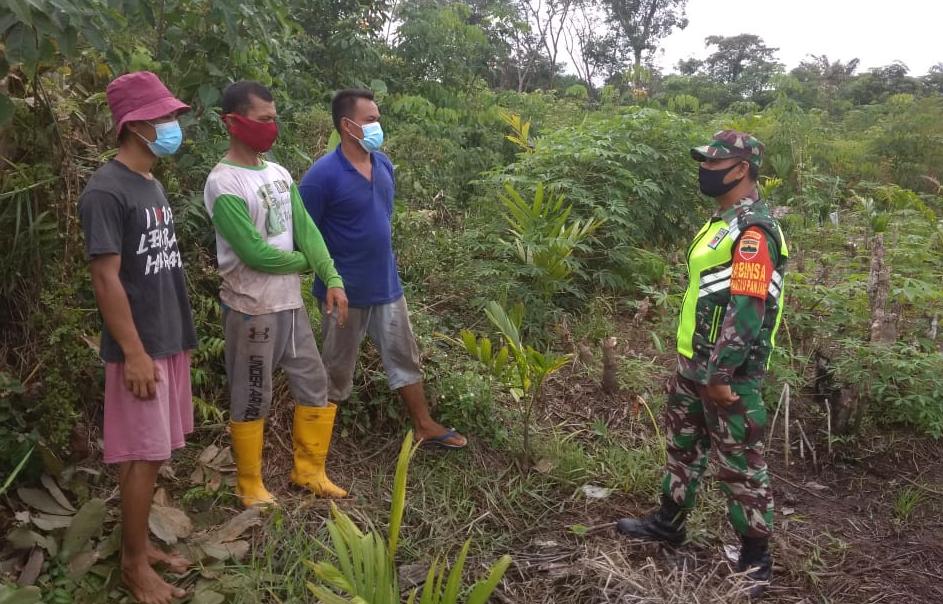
[[124, 213]]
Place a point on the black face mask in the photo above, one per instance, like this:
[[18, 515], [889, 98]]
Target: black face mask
[[712, 181]]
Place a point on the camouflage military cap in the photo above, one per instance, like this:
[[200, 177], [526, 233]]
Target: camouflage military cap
[[730, 143]]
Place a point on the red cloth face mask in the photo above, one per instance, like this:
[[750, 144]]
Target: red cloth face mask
[[258, 136]]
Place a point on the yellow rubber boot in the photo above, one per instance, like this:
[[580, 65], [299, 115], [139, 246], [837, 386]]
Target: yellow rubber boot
[[247, 451], [311, 437]]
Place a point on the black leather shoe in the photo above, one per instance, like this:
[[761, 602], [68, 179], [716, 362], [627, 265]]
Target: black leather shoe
[[757, 563], [664, 524]]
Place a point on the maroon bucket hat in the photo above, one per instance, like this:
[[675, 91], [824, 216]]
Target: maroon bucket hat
[[140, 96]]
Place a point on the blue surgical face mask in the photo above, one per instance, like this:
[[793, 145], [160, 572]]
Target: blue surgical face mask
[[169, 138], [372, 136]]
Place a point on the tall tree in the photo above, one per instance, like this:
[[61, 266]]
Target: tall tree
[[437, 42], [589, 42], [644, 23], [934, 79], [344, 37], [823, 78], [879, 83], [549, 19], [689, 66], [524, 50], [744, 62]]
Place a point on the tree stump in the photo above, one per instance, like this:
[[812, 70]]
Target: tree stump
[[584, 354], [610, 366], [883, 323], [846, 411], [884, 327]]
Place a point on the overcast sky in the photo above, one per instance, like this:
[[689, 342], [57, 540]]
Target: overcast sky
[[876, 32]]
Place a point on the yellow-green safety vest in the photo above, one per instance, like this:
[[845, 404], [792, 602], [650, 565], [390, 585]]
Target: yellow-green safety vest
[[709, 263]]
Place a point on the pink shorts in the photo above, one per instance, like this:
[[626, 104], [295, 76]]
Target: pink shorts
[[148, 430]]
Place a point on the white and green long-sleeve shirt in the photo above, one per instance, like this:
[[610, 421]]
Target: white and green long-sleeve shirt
[[264, 238]]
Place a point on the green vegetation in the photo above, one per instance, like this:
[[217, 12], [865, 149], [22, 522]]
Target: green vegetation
[[522, 368], [366, 571], [519, 186]]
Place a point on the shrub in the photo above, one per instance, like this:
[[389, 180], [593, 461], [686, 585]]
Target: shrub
[[632, 170], [577, 91], [902, 383], [544, 239], [684, 103], [519, 366], [464, 399]]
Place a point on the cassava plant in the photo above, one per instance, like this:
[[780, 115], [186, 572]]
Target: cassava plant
[[366, 571], [522, 368]]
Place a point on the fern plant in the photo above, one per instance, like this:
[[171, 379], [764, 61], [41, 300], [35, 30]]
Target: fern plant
[[366, 571]]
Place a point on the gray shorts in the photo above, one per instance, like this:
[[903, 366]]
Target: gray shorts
[[256, 345], [390, 331]]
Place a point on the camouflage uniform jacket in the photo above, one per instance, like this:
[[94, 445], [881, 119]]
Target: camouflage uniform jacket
[[734, 317]]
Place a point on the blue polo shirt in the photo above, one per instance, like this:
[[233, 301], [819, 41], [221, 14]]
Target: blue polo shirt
[[354, 216]]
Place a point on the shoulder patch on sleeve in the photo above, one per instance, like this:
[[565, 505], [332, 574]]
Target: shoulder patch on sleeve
[[749, 246], [752, 269]]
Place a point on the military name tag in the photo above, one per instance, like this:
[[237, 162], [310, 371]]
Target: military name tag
[[717, 239]]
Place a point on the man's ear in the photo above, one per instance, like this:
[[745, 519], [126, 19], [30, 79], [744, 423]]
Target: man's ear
[[746, 169], [345, 126]]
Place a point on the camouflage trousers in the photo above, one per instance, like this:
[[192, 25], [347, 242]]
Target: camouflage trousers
[[696, 425]]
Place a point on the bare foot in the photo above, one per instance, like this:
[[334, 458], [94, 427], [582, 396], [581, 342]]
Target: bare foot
[[173, 561], [435, 431], [146, 585]]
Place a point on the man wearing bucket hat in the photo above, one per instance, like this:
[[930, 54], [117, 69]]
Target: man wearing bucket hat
[[139, 283], [729, 317]]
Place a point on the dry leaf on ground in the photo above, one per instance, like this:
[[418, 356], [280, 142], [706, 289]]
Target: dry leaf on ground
[[32, 568], [50, 522], [207, 455], [81, 564], [169, 524], [236, 526], [86, 524], [50, 483], [161, 497], [41, 500]]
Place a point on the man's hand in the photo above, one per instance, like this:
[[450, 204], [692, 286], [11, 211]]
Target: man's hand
[[721, 394], [141, 375], [336, 301]]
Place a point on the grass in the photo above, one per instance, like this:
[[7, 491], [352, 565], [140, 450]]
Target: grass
[[707, 522], [478, 493], [640, 374], [276, 571], [906, 503], [633, 469], [482, 495], [450, 498]]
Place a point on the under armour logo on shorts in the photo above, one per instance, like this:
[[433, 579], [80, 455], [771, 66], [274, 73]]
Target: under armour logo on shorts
[[256, 335]]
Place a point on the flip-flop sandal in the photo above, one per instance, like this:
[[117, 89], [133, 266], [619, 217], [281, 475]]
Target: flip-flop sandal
[[441, 442]]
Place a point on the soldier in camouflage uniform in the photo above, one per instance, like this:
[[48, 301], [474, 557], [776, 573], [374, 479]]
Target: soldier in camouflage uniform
[[729, 317]]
